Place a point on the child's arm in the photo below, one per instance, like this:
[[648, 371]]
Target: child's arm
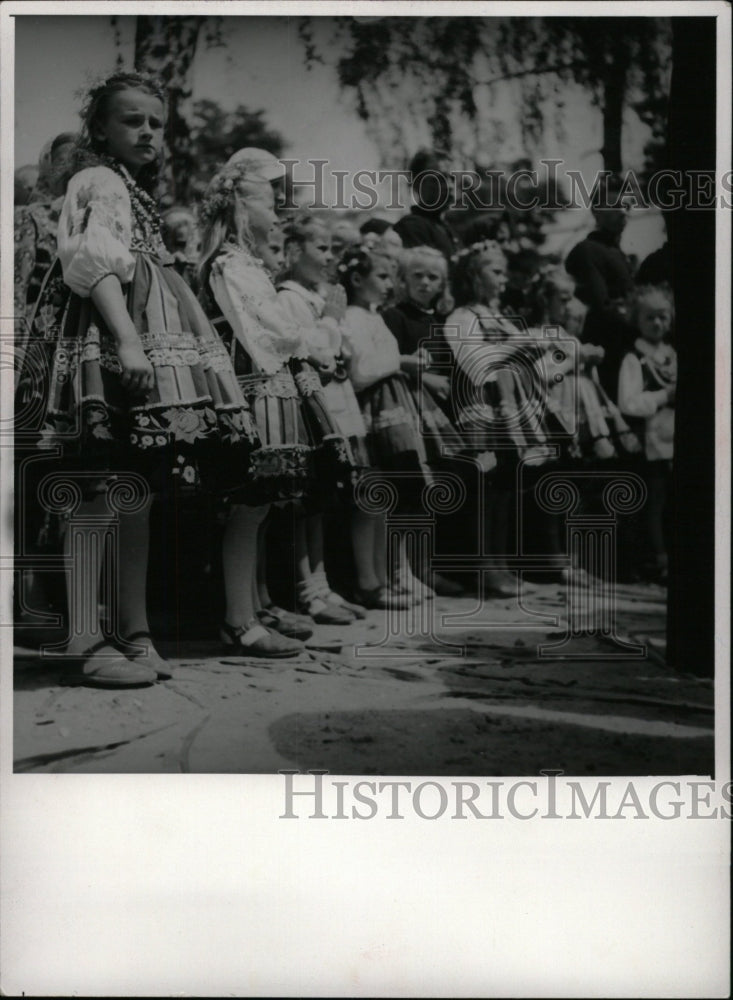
[[250, 305], [137, 372], [320, 336], [94, 238], [633, 399]]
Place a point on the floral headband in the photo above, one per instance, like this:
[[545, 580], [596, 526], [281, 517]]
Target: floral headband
[[96, 85], [223, 186], [359, 255], [483, 246], [352, 262]]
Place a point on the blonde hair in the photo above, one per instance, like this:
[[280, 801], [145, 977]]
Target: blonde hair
[[223, 214], [411, 256], [646, 292]]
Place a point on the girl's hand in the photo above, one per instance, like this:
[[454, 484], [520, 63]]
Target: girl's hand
[[322, 359], [439, 385], [591, 353], [335, 302], [137, 372]]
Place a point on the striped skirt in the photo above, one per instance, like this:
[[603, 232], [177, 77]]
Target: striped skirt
[[70, 395]]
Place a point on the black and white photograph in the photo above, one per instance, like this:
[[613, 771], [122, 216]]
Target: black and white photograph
[[366, 413]]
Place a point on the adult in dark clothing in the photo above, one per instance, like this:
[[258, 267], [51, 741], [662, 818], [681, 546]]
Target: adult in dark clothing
[[432, 188], [656, 269], [604, 282]]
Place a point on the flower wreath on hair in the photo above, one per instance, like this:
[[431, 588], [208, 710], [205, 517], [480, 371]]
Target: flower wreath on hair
[[541, 275], [483, 246], [356, 257], [94, 85], [222, 187]]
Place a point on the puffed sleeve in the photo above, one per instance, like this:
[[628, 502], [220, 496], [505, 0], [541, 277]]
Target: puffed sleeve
[[95, 230], [322, 334], [249, 302]]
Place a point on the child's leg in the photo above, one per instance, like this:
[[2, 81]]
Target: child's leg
[[83, 579], [363, 540], [496, 531], [314, 593], [132, 571], [261, 596], [302, 551], [406, 579], [655, 505], [314, 531], [381, 559], [239, 559]]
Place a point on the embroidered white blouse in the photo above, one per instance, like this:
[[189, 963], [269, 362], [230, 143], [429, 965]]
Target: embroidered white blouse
[[95, 230], [370, 349], [250, 304], [305, 308]]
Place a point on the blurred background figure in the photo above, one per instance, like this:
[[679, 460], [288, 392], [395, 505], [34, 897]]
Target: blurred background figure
[[25, 180], [381, 235], [432, 189], [180, 235], [344, 235]]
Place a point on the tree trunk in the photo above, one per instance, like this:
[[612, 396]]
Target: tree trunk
[[166, 47], [613, 109]]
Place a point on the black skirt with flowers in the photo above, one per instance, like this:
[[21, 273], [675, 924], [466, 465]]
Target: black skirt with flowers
[[193, 430]]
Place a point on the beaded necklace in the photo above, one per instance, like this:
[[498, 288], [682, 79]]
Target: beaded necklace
[[146, 236]]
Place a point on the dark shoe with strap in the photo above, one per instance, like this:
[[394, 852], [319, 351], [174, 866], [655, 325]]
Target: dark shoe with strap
[[288, 625], [255, 639], [323, 612], [380, 598]]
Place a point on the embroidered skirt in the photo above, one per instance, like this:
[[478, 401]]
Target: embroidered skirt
[[280, 469], [442, 440], [394, 439], [507, 414], [344, 408], [195, 421]]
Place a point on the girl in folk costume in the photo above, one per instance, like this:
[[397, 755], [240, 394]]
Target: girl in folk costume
[[575, 398], [317, 309], [416, 322], [35, 226], [498, 393], [394, 440], [237, 215], [647, 386], [137, 378], [578, 399], [36, 223]]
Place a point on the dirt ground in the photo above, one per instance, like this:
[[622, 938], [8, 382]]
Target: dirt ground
[[394, 700]]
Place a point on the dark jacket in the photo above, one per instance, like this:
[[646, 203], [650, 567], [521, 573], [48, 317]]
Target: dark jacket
[[424, 228]]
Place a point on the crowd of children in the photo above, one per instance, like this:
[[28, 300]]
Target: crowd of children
[[274, 362]]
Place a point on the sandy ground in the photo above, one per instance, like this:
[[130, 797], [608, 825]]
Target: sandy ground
[[454, 689]]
